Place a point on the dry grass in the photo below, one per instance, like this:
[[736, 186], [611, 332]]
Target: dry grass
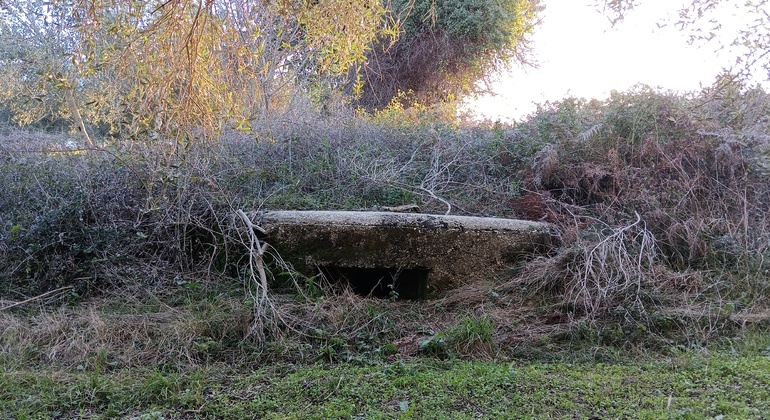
[[96, 337], [660, 201], [662, 209]]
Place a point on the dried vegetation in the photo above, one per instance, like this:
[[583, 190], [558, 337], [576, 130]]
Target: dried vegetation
[[129, 255], [663, 205]]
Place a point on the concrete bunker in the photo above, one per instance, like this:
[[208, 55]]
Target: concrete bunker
[[408, 255]]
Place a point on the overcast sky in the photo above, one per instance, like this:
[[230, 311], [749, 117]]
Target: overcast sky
[[581, 55]]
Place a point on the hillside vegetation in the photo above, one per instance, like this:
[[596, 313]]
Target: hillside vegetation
[[130, 254]]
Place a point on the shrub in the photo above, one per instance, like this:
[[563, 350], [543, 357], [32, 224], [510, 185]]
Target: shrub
[[661, 202]]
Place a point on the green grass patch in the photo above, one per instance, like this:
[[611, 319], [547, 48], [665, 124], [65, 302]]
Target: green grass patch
[[685, 385]]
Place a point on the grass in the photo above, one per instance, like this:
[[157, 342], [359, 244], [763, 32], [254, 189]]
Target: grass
[[170, 356], [685, 385]]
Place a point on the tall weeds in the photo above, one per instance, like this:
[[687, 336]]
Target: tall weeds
[[660, 201], [662, 204]]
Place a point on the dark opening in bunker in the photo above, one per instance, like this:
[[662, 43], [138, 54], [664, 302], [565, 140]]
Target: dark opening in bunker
[[385, 283]]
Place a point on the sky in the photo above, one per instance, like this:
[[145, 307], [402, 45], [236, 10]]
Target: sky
[[580, 54]]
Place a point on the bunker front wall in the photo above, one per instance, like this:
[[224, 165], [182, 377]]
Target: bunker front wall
[[451, 256]]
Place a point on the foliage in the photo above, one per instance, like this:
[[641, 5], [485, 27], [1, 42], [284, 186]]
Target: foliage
[[446, 48], [176, 69], [92, 221], [660, 199], [36, 43]]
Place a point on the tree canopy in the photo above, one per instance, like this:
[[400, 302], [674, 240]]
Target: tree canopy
[[180, 69], [166, 67], [446, 48]]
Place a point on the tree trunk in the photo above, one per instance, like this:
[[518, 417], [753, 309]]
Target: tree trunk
[[77, 119]]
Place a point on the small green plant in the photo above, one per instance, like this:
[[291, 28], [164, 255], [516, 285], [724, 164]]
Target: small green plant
[[472, 336], [435, 346], [160, 386], [311, 286], [393, 293]]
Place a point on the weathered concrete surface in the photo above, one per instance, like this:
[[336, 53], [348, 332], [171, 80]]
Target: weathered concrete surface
[[453, 249]]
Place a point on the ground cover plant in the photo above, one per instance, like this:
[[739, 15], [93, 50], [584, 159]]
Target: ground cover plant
[[126, 272], [686, 385]]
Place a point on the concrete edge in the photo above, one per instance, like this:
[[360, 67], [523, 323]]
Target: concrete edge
[[387, 219]]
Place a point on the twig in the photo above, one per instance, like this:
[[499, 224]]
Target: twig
[[256, 252], [44, 295]]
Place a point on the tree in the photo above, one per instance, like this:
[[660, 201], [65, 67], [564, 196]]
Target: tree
[[445, 48], [38, 81], [702, 19], [179, 69]]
